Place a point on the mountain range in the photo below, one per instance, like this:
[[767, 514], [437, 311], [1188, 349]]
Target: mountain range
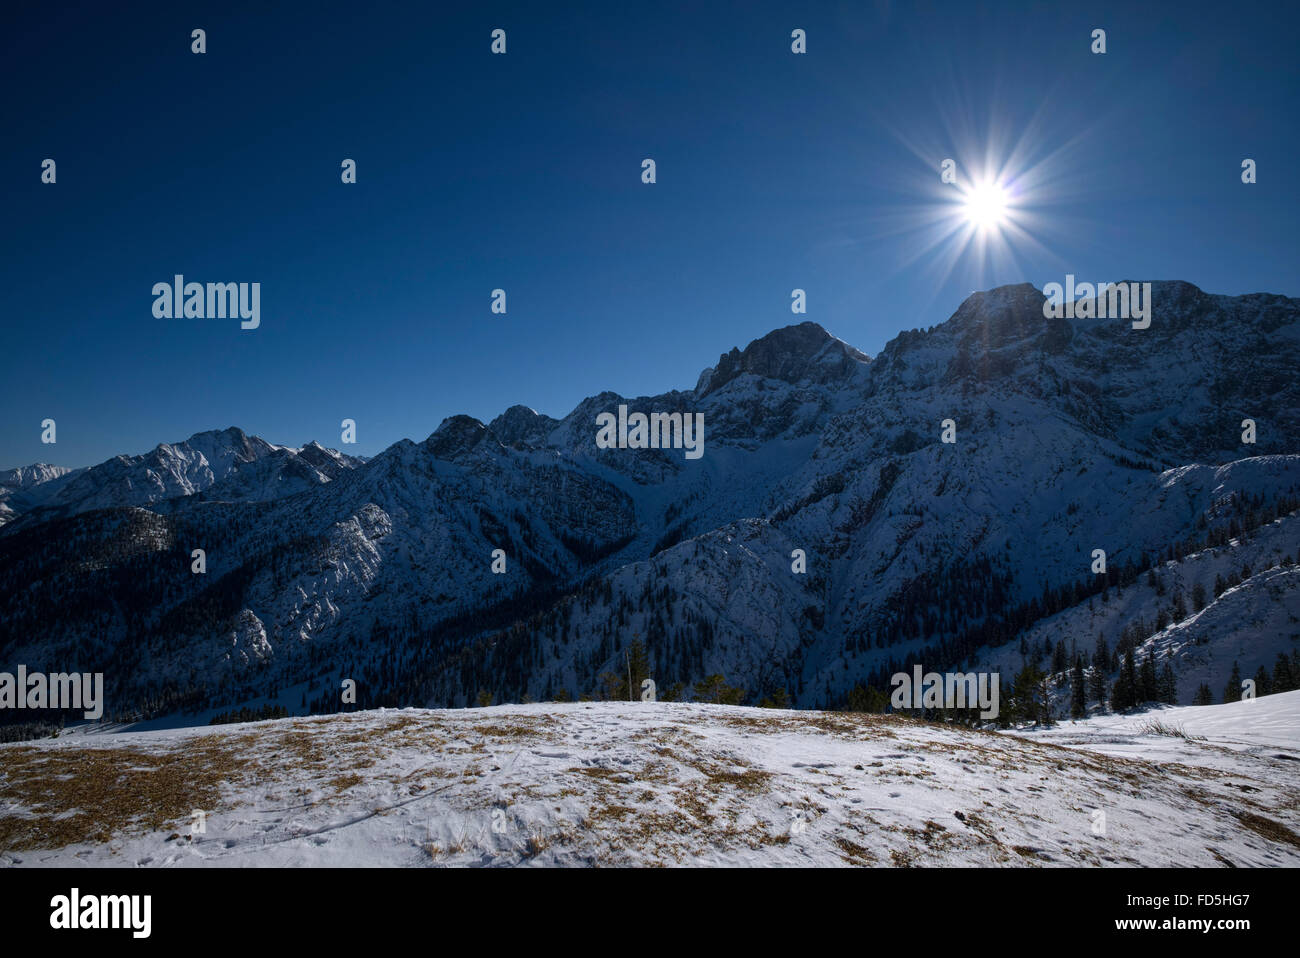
[[828, 537]]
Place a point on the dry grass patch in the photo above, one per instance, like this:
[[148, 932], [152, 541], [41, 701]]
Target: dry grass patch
[[535, 844], [66, 796], [603, 774], [853, 853], [509, 731], [1267, 828], [344, 782]]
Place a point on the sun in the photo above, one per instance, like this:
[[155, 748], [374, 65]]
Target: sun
[[980, 217], [986, 206]]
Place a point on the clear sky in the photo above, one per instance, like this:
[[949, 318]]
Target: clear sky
[[523, 172]]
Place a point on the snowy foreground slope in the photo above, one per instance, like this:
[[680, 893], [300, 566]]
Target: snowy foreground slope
[[665, 784]]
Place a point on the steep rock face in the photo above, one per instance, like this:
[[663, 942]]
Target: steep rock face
[[1071, 436]]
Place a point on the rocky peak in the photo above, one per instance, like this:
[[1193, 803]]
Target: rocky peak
[[520, 424], [805, 352], [456, 434]]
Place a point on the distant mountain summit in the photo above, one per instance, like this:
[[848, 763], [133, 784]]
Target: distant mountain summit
[[225, 463], [519, 424], [802, 353], [25, 477]]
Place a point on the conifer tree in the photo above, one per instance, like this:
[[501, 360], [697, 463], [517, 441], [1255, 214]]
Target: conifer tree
[[1148, 682], [1168, 685], [1203, 695], [609, 684], [1101, 655], [1045, 715], [1125, 693], [1178, 611], [635, 669], [1283, 680], [780, 699], [1232, 692], [1024, 704], [1078, 693], [715, 690], [1263, 684], [1060, 658], [673, 693], [1097, 686]]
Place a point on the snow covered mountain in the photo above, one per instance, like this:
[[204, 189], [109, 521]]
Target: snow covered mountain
[[1070, 436], [226, 464], [17, 484]]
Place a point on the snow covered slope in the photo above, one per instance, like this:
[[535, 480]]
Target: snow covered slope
[[674, 784]]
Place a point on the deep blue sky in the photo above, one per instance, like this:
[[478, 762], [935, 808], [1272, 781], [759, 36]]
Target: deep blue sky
[[523, 172]]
